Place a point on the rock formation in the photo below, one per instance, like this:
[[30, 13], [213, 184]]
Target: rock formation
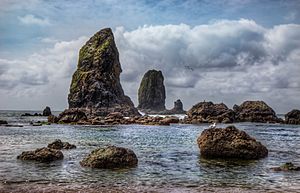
[[47, 111], [293, 117], [95, 88], [110, 157], [151, 93], [208, 112], [58, 144], [255, 111], [230, 143], [177, 109], [3, 122], [42, 155], [289, 166]]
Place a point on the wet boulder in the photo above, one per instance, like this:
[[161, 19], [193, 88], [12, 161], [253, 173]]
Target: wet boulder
[[42, 155], [72, 115], [58, 144], [230, 143], [110, 157], [293, 117]]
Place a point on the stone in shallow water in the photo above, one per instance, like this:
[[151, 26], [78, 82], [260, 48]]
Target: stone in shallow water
[[58, 144], [293, 117], [110, 157], [230, 143], [44, 154], [287, 167]]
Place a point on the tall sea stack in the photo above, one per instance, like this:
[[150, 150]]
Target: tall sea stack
[[95, 87], [152, 94]]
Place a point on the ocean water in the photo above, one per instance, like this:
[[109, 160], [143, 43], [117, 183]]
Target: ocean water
[[169, 158]]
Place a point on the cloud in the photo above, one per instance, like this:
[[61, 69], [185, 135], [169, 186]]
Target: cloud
[[30, 19], [224, 61]]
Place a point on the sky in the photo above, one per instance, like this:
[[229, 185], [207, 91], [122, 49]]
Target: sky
[[222, 51]]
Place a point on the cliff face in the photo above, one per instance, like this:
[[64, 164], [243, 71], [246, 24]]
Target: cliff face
[[152, 94], [96, 82]]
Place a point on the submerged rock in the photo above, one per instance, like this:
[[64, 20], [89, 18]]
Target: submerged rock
[[151, 93], [287, 167], [208, 112], [230, 143], [255, 111], [58, 144], [47, 111], [110, 157], [96, 84], [293, 117], [3, 122], [42, 155]]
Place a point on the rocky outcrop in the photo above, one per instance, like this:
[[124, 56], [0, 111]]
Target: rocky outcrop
[[208, 112], [3, 122], [287, 167], [110, 157], [293, 117], [95, 88], [73, 115], [255, 111], [177, 109], [58, 144], [42, 155], [151, 93], [230, 143], [47, 111]]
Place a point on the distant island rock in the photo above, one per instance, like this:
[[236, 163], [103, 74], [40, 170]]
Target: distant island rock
[[95, 88], [208, 112], [151, 93], [255, 111], [293, 117], [47, 111], [177, 109]]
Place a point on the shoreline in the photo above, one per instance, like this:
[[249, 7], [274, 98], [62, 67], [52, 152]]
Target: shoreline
[[93, 188]]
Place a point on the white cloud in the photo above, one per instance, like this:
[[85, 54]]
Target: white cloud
[[226, 61], [30, 19]]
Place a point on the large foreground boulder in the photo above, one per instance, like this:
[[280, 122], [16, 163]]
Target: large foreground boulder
[[255, 111], [208, 112], [58, 144], [44, 154], [151, 93], [95, 86], [110, 157], [230, 143], [293, 117]]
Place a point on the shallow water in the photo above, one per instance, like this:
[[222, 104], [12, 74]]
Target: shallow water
[[168, 157]]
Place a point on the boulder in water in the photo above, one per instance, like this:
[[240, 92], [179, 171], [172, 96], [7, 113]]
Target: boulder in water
[[289, 166], [58, 144], [42, 155], [293, 117], [3, 122], [110, 157], [230, 143], [255, 111]]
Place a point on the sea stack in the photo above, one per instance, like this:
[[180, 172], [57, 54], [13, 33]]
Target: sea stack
[[152, 94], [95, 88]]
